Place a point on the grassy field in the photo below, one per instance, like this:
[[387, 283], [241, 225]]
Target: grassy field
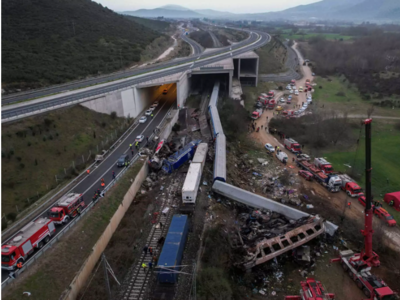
[[61, 264], [36, 149], [272, 58], [337, 93], [385, 161]]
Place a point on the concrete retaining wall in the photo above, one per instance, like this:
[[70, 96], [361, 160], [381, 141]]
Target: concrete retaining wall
[[88, 266], [182, 89], [257, 201], [166, 131], [107, 104]]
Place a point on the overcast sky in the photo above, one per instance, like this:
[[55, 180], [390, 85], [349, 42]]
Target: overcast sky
[[247, 6]]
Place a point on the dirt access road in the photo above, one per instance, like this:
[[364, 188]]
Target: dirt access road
[[338, 200]]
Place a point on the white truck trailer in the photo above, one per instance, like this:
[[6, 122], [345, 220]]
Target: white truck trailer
[[191, 185]]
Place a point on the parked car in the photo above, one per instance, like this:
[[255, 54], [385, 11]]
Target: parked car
[[282, 100], [269, 148], [289, 87], [154, 105], [148, 112], [306, 174], [165, 91], [305, 105], [278, 108], [143, 119], [296, 92], [139, 138], [303, 157], [300, 89], [291, 91], [122, 160]]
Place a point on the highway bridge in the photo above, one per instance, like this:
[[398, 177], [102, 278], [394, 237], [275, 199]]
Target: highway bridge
[[106, 84], [90, 183]]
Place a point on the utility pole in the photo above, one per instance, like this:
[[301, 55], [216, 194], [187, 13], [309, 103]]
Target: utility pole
[[103, 258]]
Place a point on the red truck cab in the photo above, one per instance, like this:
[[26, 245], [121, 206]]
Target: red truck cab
[[68, 207], [33, 235], [271, 94], [323, 164], [255, 115], [352, 189], [271, 104], [292, 145]]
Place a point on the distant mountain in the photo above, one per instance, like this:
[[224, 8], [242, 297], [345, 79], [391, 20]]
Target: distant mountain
[[177, 12], [53, 41], [348, 10], [213, 13], [168, 11]]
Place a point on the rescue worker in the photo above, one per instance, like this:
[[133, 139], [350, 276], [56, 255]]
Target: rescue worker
[[137, 145], [151, 251], [145, 249], [391, 203], [349, 204], [144, 266], [103, 184], [132, 152], [88, 171], [130, 146], [126, 164], [19, 265], [152, 116], [113, 175], [150, 265], [102, 180]]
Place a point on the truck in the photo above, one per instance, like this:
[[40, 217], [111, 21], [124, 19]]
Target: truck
[[282, 156], [323, 164], [169, 263], [312, 289], [33, 236], [292, 145], [331, 182], [380, 212], [350, 186], [271, 104], [255, 115], [180, 157], [69, 206], [288, 113], [271, 94]]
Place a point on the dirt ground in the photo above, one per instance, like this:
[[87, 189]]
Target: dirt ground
[[331, 203]]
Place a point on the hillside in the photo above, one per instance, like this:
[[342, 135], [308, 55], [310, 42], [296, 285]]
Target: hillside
[[157, 25], [53, 41]]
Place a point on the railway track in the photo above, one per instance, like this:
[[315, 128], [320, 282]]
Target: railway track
[[137, 281]]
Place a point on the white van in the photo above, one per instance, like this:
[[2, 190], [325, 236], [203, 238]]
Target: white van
[[296, 92], [282, 156]]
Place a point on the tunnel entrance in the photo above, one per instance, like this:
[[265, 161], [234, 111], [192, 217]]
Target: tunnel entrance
[[145, 97], [204, 83]]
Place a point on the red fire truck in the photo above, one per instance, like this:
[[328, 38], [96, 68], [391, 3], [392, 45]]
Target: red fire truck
[[68, 207], [311, 289], [292, 145], [33, 235]]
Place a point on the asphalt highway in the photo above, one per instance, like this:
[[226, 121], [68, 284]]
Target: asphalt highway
[[91, 183], [28, 108], [118, 75]]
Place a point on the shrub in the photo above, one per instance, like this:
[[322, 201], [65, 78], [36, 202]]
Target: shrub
[[19, 158], [397, 125], [50, 137], [113, 115], [22, 166], [11, 153], [36, 163], [44, 139], [11, 216], [340, 94], [29, 144], [103, 124], [47, 122], [320, 86]]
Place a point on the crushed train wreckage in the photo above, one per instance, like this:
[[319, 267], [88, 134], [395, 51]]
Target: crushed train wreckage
[[264, 235]]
